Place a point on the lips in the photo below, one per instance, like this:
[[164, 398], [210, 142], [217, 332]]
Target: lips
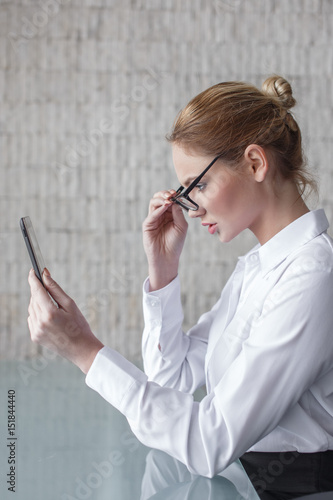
[[212, 228]]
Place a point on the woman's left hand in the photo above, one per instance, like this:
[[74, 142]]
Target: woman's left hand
[[62, 329]]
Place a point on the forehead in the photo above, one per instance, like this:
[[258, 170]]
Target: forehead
[[188, 164]]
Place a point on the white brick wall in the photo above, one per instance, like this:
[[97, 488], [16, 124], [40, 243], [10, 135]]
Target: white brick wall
[[88, 90]]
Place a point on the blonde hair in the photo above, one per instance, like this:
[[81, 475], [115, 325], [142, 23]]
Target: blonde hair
[[227, 117]]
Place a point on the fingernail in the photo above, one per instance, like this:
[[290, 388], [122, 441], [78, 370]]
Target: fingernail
[[46, 272]]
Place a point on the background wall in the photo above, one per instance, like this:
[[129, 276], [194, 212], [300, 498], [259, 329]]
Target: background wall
[[88, 90]]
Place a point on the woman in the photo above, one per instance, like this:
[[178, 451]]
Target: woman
[[265, 350]]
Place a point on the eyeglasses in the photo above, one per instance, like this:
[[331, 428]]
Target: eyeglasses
[[182, 197]]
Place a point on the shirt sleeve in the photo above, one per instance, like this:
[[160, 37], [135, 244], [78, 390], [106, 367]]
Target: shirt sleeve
[[288, 349], [171, 357]]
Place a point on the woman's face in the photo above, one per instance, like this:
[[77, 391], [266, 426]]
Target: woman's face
[[229, 201]]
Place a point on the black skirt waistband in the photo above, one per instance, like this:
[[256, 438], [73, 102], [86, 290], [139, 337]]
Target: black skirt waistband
[[287, 475]]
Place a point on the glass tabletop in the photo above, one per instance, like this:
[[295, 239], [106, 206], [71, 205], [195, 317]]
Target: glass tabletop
[[67, 443]]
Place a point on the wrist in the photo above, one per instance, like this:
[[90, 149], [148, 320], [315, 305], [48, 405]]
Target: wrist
[[86, 360], [158, 280]]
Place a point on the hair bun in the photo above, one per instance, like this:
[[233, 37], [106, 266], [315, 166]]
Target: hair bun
[[277, 87]]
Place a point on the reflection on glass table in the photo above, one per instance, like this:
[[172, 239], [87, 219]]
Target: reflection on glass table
[[168, 479], [72, 445]]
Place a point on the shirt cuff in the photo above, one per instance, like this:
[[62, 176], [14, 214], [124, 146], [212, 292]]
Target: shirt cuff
[[162, 304], [114, 377]]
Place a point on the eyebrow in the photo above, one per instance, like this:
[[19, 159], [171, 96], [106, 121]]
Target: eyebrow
[[192, 179], [188, 181]]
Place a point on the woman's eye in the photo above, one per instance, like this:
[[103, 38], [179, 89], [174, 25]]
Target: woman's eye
[[201, 187]]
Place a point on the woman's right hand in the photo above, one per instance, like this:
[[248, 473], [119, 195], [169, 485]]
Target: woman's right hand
[[164, 233]]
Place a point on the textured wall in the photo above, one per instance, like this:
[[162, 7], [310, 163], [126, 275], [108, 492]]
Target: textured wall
[[88, 90]]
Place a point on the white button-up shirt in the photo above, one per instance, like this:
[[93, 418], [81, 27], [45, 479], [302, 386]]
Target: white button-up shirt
[[264, 351]]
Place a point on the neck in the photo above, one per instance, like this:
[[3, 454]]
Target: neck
[[280, 210]]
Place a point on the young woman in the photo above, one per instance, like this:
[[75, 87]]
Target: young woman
[[265, 350]]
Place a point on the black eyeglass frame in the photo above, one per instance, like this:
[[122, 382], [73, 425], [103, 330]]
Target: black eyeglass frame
[[180, 193]]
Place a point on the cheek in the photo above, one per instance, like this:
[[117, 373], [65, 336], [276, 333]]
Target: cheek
[[235, 205], [230, 198]]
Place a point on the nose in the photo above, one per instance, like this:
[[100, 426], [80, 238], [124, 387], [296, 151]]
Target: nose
[[196, 213]]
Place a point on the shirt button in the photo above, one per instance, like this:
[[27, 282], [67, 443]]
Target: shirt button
[[154, 303], [254, 258]]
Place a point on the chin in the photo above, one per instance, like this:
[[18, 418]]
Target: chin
[[224, 238], [227, 237]]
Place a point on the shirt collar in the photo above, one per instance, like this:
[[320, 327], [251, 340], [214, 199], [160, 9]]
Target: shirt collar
[[293, 236]]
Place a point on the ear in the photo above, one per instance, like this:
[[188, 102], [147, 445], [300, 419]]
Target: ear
[[257, 161]]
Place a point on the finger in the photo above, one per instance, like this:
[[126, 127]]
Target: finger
[[34, 309], [31, 311], [63, 300], [39, 295], [34, 304], [156, 213], [156, 203], [31, 308], [178, 215], [33, 330], [32, 319], [164, 194]]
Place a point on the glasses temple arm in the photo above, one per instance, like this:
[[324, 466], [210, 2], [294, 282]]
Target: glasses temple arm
[[198, 179]]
